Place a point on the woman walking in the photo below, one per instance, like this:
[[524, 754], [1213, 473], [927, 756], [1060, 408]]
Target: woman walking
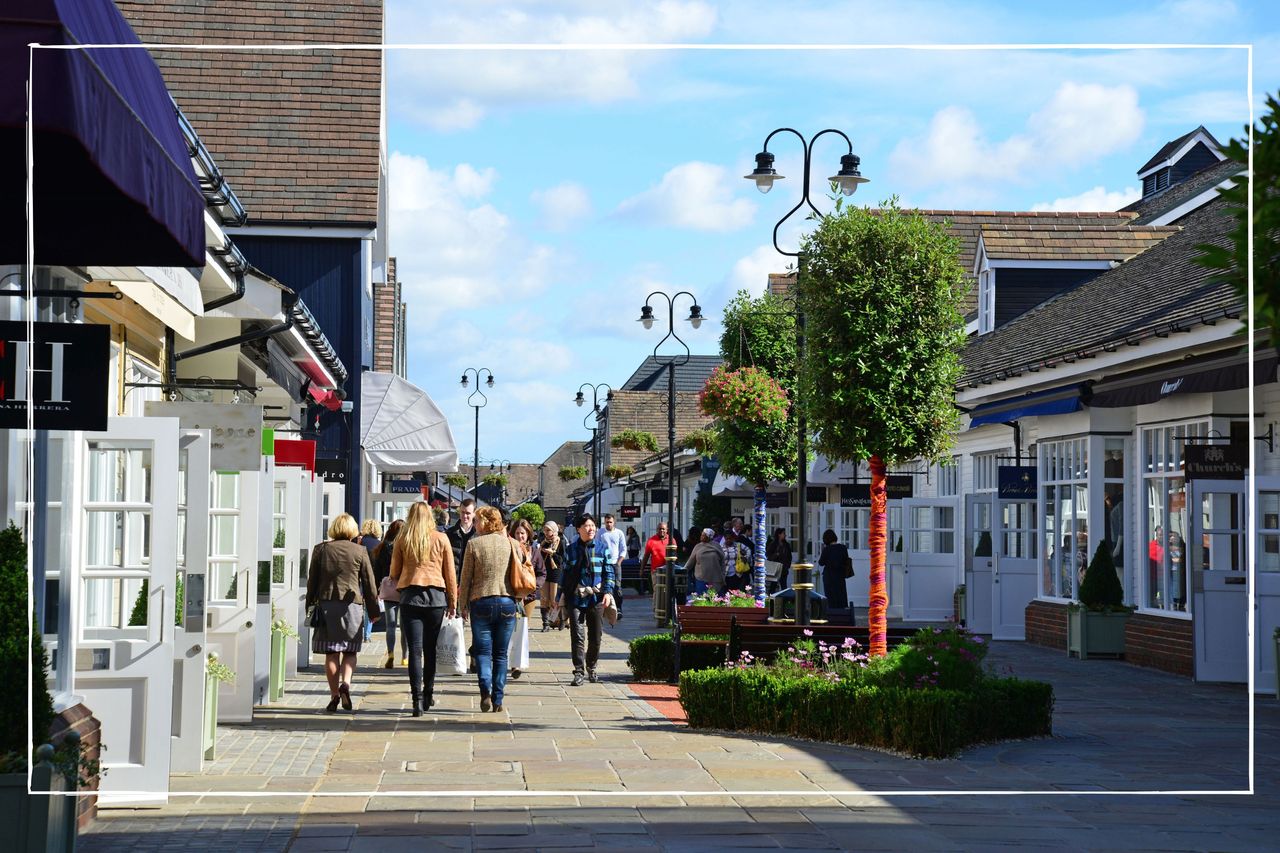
[[422, 568], [340, 586], [485, 597], [706, 563], [779, 551], [836, 566], [548, 563], [390, 606], [521, 532]]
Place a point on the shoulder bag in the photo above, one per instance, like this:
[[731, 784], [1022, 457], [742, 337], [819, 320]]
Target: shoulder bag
[[520, 576]]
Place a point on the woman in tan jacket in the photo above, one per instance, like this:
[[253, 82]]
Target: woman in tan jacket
[[422, 568], [485, 594], [340, 586]]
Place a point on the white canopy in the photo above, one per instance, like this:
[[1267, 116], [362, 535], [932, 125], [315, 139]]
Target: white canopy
[[401, 429]]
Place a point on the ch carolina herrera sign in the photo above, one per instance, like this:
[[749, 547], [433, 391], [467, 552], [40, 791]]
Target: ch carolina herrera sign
[[70, 375]]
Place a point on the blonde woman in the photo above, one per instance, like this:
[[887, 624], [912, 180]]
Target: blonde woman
[[485, 597], [422, 568], [340, 585], [548, 561]]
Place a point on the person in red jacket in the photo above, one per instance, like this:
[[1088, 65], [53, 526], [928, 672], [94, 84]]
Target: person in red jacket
[[655, 550]]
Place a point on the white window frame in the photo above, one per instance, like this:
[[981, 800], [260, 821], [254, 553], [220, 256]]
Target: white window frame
[[1160, 459], [1064, 464], [215, 589]]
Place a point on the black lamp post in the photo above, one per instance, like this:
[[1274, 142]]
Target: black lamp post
[[595, 429], [483, 401], [695, 320], [503, 465], [847, 178]]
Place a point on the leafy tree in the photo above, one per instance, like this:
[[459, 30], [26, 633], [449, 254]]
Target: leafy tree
[[18, 651], [881, 291], [1233, 260], [532, 513]]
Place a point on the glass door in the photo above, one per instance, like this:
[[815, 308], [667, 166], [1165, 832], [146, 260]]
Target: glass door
[[1219, 580], [933, 567], [1013, 577], [978, 563], [189, 620]]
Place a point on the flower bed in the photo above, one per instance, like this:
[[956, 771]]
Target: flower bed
[[650, 657], [929, 697], [733, 598]]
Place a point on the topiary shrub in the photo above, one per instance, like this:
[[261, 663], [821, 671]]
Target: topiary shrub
[[1101, 589], [18, 651], [532, 513]]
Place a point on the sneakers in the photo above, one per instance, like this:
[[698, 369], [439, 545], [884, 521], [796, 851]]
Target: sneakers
[[592, 677], [578, 680]]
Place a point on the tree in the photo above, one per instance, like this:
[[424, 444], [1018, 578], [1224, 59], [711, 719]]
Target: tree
[[881, 291], [1233, 260], [531, 512]]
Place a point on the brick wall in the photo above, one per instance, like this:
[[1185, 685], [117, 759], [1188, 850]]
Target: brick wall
[[387, 330], [1161, 643], [1047, 624], [80, 719]]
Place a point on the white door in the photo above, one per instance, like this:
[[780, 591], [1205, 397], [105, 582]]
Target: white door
[[189, 620], [287, 519], [231, 586], [897, 561], [1215, 552], [1266, 578], [979, 562], [933, 562], [783, 517], [1013, 578], [127, 567]]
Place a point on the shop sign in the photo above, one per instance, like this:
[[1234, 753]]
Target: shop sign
[[1214, 461], [858, 495], [406, 487], [71, 375], [332, 470], [658, 496], [629, 511], [1016, 482], [777, 500], [235, 431], [815, 494]]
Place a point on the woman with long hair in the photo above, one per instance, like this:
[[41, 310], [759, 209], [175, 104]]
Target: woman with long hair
[[521, 532], [422, 567], [484, 594], [548, 563], [340, 586], [390, 609]]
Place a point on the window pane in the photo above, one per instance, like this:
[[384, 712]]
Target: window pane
[[225, 491], [1177, 538], [222, 536], [114, 603]]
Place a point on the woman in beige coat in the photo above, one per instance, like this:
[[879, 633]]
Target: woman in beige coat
[[485, 595], [340, 586], [422, 567]]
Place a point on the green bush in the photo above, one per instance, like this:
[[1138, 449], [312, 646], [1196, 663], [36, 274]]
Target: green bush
[[18, 651], [532, 513], [926, 723], [650, 657], [1101, 589]]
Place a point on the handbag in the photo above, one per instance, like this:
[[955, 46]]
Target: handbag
[[521, 579], [773, 569], [848, 567], [387, 590], [317, 616]]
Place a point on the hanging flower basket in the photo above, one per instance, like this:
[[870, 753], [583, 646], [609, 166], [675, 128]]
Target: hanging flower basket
[[698, 440], [496, 480], [635, 439], [747, 394], [573, 472], [457, 481], [617, 472]]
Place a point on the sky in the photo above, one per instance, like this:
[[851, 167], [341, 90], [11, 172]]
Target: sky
[[538, 197]]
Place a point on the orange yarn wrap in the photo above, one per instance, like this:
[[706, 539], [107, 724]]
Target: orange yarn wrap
[[877, 611]]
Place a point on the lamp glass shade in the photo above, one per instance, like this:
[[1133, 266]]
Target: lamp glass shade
[[647, 322]]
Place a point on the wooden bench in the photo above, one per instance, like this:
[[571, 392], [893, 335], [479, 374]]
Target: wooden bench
[[764, 640], [712, 620], [633, 575]]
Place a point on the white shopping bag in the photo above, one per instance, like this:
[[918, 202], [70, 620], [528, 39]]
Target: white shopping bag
[[451, 647], [518, 650]]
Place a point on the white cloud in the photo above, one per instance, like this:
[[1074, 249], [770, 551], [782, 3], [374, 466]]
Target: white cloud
[[563, 205], [751, 273], [1080, 123], [695, 195], [1098, 198]]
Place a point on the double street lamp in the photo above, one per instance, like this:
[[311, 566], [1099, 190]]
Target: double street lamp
[[580, 399], [477, 405], [847, 179], [695, 320]]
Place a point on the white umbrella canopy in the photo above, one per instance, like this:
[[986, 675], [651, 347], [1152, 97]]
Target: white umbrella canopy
[[402, 430]]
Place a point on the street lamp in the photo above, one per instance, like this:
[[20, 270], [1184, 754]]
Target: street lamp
[[503, 466], [847, 178], [581, 399], [483, 401], [695, 320]]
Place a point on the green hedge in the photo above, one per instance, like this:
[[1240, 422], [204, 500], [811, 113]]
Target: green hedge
[[926, 723], [650, 658]]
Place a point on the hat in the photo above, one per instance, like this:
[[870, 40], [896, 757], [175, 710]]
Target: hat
[[709, 533]]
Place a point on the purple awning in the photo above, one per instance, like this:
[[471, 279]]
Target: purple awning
[[113, 183]]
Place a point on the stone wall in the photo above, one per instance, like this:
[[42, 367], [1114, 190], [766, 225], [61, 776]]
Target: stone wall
[[80, 719]]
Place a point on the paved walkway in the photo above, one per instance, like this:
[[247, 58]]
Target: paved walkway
[[566, 768]]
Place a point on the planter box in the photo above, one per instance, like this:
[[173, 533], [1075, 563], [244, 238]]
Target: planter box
[[275, 684], [1091, 634], [37, 823]]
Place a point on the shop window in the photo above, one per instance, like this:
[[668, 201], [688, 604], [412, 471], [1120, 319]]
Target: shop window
[[1268, 553], [224, 524], [1064, 492], [947, 477], [986, 469], [1164, 516], [1116, 507]]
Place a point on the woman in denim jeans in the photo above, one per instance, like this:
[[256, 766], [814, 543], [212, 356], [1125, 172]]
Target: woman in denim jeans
[[485, 598]]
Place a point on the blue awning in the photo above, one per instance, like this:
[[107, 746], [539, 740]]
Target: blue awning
[[113, 179], [1055, 401]]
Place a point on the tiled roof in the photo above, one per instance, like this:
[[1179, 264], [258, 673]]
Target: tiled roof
[[1173, 145], [557, 490], [646, 410], [1159, 292], [1067, 242], [651, 375], [297, 132], [1154, 207]]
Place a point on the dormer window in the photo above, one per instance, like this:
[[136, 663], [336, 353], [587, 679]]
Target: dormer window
[[1178, 160], [1157, 182]]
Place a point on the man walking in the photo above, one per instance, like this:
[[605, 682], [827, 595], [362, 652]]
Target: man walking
[[616, 541], [460, 534], [586, 589], [655, 552]]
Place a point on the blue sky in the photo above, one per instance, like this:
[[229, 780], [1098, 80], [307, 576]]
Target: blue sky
[[538, 197]]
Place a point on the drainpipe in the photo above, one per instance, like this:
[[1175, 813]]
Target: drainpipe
[[287, 302], [237, 264], [1017, 441]]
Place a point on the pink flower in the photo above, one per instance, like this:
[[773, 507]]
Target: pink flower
[[808, 633]]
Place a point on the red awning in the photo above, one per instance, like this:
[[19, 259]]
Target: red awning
[[297, 452]]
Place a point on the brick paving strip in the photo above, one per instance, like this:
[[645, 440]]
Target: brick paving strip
[[387, 782]]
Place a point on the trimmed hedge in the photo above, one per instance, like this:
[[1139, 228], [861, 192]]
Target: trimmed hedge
[[925, 723], [650, 657]]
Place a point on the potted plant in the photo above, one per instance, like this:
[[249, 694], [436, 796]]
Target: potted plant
[[281, 632], [215, 673], [1096, 623], [635, 439], [959, 603], [700, 440], [497, 481], [573, 472], [457, 481], [617, 472]]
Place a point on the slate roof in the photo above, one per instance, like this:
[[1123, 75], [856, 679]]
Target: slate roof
[[1173, 145], [651, 375], [1154, 207], [1067, 242], [557, 490], [1159, 292], [297, 132]]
